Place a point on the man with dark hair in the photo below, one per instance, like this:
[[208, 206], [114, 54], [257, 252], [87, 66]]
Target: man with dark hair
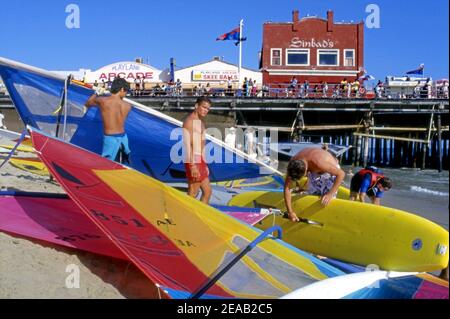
[[114, 113], [197, 172], [371, 182], [323, 172], [296, 170]]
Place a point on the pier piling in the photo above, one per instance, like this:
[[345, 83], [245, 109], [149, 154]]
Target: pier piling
[[439, 141]]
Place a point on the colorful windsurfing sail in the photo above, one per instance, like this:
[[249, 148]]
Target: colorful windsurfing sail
[[420, 286], [180, 243], [265, 183], [55, 105], [375, 284], [15, 137], [54, 218]]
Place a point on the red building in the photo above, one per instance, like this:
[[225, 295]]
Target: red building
[[312, 49]]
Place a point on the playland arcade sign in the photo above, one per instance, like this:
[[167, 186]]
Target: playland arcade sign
[[127, 70]]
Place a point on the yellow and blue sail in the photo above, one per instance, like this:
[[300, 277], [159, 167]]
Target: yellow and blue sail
[[180, 243]]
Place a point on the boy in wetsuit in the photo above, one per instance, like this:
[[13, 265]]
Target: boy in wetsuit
[[114, 112], [371, 182]]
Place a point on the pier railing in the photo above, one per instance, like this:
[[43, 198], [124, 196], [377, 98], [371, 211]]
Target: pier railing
[[407, 132], [304, 91]]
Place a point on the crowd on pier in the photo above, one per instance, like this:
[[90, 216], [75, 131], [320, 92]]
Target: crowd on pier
[[349, 89], [346, 89]]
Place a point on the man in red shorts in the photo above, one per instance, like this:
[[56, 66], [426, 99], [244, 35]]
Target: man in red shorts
[[197, 171]]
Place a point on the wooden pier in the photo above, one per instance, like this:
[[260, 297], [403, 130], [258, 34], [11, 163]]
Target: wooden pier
[[383, 132]]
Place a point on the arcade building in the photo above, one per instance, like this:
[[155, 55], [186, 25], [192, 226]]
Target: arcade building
[[313, 49]]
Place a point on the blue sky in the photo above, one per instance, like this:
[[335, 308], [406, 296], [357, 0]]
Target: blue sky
[[34, 32]]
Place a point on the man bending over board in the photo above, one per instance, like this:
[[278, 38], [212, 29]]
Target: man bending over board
[[323, 172], [114, 113]]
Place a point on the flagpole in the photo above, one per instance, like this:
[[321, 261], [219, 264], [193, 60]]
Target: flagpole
[[241, 23]]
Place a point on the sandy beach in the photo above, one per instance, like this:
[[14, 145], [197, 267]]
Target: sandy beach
[[35, 269]]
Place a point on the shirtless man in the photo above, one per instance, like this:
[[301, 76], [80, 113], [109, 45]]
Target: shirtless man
[[197, 172], [324, 176], [114, 112]]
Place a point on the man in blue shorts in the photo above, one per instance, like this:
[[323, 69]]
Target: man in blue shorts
[[371, 182], [114, 112]]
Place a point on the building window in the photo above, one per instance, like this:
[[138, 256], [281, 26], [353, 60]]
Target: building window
[[275, 57], [328, 57], [297, 56], [349, 57]]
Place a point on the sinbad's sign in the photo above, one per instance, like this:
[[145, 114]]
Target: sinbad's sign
[[312, 43], [127, 70]]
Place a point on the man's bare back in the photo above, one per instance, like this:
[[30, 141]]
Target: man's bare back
[[114, 112], [318, 160]]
